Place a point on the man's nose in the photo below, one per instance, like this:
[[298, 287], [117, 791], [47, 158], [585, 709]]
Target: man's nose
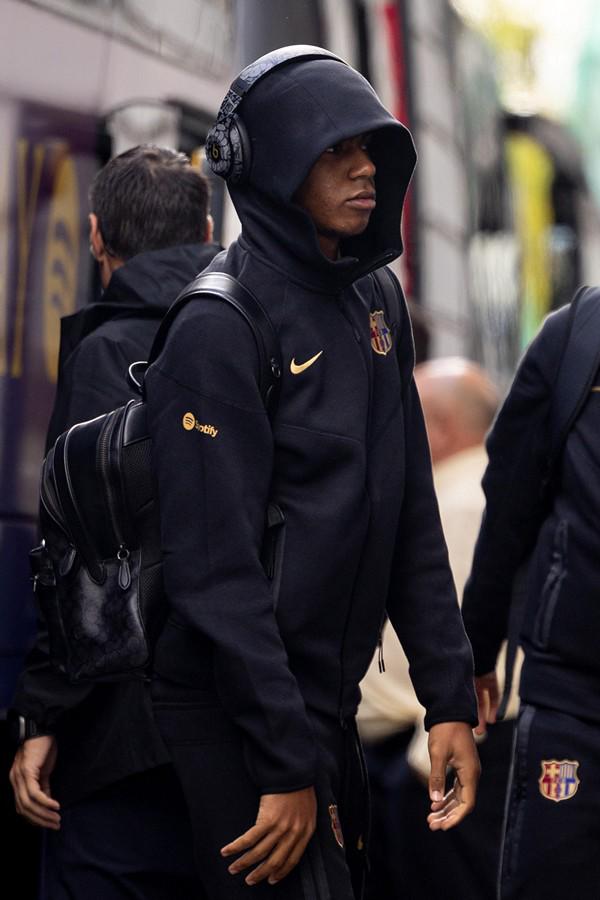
[[362, 164]]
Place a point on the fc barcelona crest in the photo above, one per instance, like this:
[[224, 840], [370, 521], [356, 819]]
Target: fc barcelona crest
[[559, 780], [381, 336]]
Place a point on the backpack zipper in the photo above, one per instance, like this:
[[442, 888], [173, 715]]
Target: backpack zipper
[[114, 500]]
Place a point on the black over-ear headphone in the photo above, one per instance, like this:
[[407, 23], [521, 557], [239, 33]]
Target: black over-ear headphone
[[227, 143]]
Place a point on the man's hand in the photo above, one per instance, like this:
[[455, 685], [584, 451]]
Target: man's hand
[[284, 826], [488, 700], [30, 779], [452, 744]]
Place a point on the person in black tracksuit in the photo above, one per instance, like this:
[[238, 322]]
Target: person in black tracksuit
[[150, 234], [552, 830], [256, 681]]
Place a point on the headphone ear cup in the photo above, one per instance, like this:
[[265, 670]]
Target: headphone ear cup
[[218, 149], [241, 153]]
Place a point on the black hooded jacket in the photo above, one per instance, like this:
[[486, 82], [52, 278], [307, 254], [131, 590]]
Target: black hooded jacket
[[104, 732], [346, 459]]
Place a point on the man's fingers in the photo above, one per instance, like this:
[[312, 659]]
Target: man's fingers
[[246, 841], [41, 799], [482, 714], [273, 863], [44, 819], [282, 860], [483, 704], [30, 791], [488, 699], [468, 791], [292, 861], [437, 778], [31, 802], [452, 744], [457, 804], [442, 812], [255, 855], [493, 700], [283, 827], [30, 780], [36, 808]]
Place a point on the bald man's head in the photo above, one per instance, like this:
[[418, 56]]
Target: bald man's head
[[459, 403]]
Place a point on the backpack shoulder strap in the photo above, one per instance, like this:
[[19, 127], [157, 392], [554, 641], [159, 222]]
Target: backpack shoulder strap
[[395, 303], [389, 288], [577, 369], [220, 286]]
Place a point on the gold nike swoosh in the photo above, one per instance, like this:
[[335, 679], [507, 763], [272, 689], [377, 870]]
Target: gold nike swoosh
[[296, 368]]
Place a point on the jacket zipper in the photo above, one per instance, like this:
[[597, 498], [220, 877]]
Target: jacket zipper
[[113, 500], [369, 373]]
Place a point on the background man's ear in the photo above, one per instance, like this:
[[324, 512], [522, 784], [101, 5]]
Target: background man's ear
[[210, 227], [96, 240]]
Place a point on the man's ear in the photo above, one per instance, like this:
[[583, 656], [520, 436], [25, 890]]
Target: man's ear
[[96, 240], [210, 227]]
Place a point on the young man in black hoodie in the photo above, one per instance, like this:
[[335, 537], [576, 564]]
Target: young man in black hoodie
[[256, 683], [93, 757]]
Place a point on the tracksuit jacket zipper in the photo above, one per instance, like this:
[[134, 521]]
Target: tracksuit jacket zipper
[[110, 472], [367, 362]]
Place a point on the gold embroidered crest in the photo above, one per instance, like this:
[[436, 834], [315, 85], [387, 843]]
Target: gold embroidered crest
[[381, 336], [559, 779]]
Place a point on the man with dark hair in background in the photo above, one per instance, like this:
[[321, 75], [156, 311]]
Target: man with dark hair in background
[[92, 768], [150, 233]]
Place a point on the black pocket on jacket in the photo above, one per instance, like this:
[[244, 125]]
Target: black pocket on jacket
[[273, 549], [552, 586]]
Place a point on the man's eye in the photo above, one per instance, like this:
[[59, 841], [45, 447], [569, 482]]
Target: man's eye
[[335, 149]]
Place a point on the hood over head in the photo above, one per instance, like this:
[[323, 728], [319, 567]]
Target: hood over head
[[291, 116]]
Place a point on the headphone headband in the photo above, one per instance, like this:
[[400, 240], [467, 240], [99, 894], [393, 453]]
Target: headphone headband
[[227, 146]]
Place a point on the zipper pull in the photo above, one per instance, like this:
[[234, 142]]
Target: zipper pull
[[67, 561], [380, 660], [124, 568], [270, 567]]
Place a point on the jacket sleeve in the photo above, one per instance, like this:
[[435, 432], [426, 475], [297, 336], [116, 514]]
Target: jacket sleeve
[[44, 694], [422, 604], [513, 485], [212, 456]]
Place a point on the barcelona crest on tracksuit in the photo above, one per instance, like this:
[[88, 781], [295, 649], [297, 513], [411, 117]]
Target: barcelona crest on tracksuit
[[381, 336], [559, 780]]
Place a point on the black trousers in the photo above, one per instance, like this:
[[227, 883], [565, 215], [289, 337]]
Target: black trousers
[[129, 841], [552, 829], [208, 755]]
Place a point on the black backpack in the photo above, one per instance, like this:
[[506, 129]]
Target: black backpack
[[97, 573]]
